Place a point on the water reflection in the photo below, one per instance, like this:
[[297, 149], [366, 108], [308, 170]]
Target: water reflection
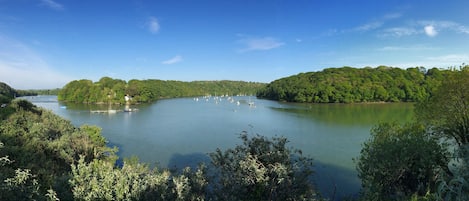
[[352, 114]]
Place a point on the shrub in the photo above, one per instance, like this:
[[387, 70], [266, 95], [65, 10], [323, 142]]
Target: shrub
[[398, 162], [262, 169]]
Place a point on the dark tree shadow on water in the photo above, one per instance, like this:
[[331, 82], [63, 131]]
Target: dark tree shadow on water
[[192, 160], [336, 183]]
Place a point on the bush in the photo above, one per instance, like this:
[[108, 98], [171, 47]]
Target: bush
[[398, 162], [262, 169], [455, 184], [101, 180]]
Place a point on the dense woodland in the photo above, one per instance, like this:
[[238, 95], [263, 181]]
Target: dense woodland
[[352, 85], [108, 90]]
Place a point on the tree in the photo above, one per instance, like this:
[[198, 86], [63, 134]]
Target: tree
[[398, 162], [446, 114], [348, 85], [43, 146], [447, 110], [22, 185], [6, 93], [262, 169]]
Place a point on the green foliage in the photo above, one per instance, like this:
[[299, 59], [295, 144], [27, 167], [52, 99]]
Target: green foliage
[[45, 144], [262, 169], [447, 110], [454, 185], [101, 180], [6, 93], [350, 85], [399, 162], [6, 111], [413, 162], [22, 185], [108, 90], [446, 114]]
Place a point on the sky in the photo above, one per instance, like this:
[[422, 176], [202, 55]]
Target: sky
[[47, 43]]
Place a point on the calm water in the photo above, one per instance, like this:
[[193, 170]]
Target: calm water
[[180, 132]]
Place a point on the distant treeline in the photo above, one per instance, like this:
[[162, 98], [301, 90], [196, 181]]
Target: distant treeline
[[35, 92], [109, 90], [7, 93], [351, 85]]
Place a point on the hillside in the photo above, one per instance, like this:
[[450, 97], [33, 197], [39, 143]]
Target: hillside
[[6, 93], [109, 90], [352, 85]]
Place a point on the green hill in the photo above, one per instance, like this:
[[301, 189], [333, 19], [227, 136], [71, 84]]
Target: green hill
[[351, 85], [6, 93], [108, 90]]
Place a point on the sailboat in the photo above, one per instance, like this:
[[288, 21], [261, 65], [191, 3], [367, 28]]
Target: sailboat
[[250, 103]]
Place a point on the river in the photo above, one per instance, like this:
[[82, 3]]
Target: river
[[180, 132]]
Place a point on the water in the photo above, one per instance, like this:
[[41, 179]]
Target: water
[[180, 132]]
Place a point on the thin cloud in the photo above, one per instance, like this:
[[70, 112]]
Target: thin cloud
[[462, 29], [406, 48], [391, 16], [369, 26], [430, 30], [375, 24], [153, 25], [444, 25], [20, 66], [398, 32], [453, 59], [173, 60], [443, 61], [53, 5], [426, 27], [259, 44]]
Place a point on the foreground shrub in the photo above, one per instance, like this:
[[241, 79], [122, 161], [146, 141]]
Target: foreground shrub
[[399, 162], [101, 180], [262, 169], [455, 184]]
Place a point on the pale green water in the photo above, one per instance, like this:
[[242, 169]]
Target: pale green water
[[180, 132]]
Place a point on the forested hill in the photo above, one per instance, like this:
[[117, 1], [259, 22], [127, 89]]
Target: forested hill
[[109, 90], [351, 85], [6, 93]]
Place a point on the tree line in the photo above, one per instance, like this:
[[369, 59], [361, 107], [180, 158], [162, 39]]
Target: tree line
[[7, 93], [109, 90], [352, 85], [35, 92]]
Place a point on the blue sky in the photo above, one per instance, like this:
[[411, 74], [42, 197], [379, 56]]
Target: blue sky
[[47, 43]]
